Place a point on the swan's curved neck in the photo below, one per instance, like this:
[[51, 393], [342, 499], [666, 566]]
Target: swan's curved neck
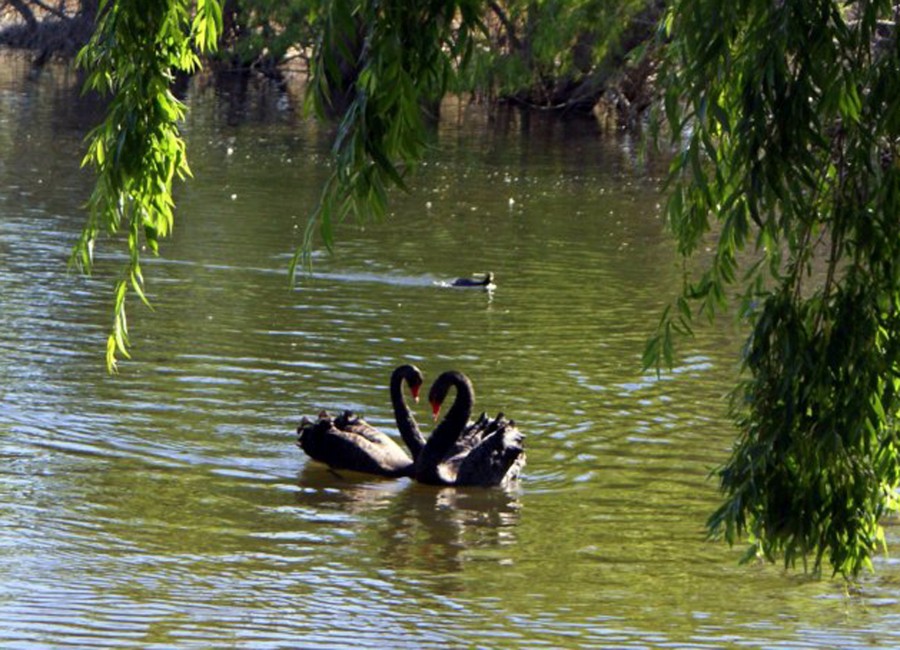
[[450, 428], [406, 423], [458, 414]]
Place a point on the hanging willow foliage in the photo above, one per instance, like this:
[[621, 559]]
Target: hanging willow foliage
[[786, 116], [137, 150], [378, 65]]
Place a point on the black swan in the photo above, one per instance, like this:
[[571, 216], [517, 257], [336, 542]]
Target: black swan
[[349, 442], [487, 282], [484, 453]]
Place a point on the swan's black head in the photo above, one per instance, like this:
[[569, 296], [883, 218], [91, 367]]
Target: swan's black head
[[413, 377], [442, 385], [305, 423], [414, 380]]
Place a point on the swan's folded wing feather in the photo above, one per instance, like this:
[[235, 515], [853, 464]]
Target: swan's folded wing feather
[[497, 459], [359, 447], [352, 423]]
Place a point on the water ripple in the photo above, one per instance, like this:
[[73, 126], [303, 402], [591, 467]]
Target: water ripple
[[169, 506]]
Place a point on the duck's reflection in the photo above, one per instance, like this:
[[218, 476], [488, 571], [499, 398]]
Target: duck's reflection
[[407, 525]]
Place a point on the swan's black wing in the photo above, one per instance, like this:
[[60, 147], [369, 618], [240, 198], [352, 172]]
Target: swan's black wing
[[349, 442], [498, 456], [352, 423]]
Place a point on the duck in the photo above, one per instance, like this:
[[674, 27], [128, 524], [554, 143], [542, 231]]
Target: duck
[[487, 282]]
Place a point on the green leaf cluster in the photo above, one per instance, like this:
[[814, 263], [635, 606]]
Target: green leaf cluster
[[137, 151], [536, 48], [785, 120], [258, 31]]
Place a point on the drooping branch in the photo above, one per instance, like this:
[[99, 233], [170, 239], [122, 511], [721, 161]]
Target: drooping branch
[[130, 59], [789, 126]]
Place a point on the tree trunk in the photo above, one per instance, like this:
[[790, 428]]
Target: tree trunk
[[26, 13]]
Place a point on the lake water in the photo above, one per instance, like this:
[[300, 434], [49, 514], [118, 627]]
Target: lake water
[[168, 506]]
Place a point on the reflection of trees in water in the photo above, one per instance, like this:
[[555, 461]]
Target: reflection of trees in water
[[414, 526], [244, 97]]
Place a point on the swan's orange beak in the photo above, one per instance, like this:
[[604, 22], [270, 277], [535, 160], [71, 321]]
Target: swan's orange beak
[[415, 392], [435, 409]]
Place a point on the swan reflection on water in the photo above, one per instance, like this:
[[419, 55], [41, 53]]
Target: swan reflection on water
[[409, 525]]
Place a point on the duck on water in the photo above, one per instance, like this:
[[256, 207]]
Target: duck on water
[[486, 282]]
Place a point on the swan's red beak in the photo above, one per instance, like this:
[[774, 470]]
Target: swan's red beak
[[435, 409], [415, 392]]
